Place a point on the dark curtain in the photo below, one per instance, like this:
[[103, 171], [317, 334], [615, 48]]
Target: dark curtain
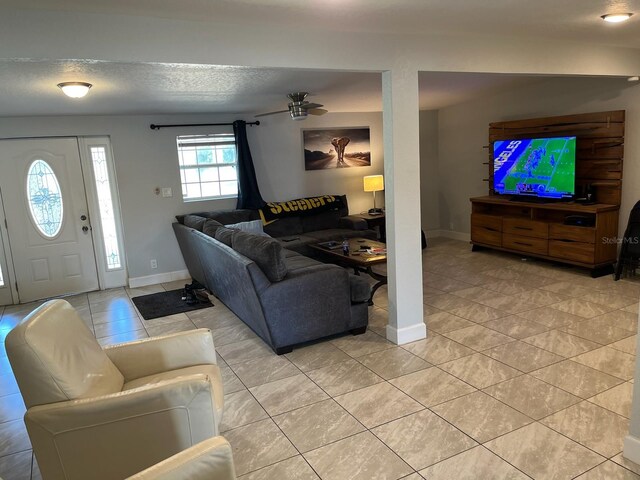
[[248, 191]]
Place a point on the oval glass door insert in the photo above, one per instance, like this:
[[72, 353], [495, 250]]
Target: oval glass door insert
[[45, 199]]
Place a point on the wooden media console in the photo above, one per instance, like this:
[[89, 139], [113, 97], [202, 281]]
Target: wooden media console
[[551, 230], [539, 230]]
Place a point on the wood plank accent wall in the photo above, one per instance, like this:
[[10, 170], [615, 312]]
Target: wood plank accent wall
[[600, 147]]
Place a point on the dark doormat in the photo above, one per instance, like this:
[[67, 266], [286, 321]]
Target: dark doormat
[[165, 303]]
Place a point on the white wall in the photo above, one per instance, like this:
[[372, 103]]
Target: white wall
[[146, 159], [429, 171], [463, 130], [276, 146]]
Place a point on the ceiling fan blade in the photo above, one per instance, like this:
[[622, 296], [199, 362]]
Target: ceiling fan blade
[[270, 113], [317, 111], [307, 106]]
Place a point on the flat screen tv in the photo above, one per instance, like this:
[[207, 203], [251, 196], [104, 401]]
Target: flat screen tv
[[538, 167]]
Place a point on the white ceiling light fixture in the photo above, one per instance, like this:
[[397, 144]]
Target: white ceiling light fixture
[[633, 79], [75, 89], [616, 17]]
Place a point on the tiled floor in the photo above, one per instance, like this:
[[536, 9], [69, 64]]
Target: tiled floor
[[527, 373]]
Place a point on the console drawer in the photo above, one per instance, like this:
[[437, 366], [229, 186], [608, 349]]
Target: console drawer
[[525, 227], [490, 222], [486, 236], [525, 244], [570, 232], [568, 250], [486, 229]]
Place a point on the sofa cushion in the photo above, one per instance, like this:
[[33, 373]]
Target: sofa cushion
[[210, 227], [295, 242], [360, 289], [321, 221], [300, 262], [224, 234], [227, 217], [194, 221], [254, 226], [284, 227], [265, 251]]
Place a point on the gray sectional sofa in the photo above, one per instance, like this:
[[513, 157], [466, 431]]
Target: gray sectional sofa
[[296, 233], [285, 297]]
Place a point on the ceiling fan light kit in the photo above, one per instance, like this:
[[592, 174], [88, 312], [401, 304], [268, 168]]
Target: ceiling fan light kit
[[296, 112], [299, 108]]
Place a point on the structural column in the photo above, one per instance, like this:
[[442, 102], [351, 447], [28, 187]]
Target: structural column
[[632, 441], [401, 127]]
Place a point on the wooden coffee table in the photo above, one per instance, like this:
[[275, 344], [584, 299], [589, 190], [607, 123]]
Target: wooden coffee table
[[359, 259]]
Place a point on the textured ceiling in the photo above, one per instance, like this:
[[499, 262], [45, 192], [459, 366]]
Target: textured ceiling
[[29, 88], [564, 19]]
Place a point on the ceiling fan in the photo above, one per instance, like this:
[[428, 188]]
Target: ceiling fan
[[299, 108]]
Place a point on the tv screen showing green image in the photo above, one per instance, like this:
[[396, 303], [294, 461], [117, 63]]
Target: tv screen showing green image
[[541, 167]]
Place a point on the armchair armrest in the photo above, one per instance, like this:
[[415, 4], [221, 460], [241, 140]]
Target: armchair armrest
[[117, 435], [353, 222], [211, 459], [150, 356]]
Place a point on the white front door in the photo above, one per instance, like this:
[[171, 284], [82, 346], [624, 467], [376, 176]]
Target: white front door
[[48, 225], [6, 293]]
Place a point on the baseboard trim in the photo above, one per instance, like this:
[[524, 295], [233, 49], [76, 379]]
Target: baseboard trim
[[407, 334], [632, 449], [135, 282], [433, 233], [464, 237]]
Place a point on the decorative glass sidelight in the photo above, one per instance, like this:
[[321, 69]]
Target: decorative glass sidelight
[[105, 205], [45, 199]]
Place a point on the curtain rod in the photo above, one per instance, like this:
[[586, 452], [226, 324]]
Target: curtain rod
[[158, 127]]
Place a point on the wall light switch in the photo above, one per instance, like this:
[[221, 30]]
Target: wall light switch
[[166, 192]]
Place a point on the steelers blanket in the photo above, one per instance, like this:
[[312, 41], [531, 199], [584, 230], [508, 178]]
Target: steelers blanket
[[272, 211]]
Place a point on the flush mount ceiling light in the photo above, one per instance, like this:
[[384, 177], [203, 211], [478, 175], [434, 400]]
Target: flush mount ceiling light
[[616, 17], [633, 79], [75, 89]]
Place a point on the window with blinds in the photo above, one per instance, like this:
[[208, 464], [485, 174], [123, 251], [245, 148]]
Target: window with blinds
[[208, 168]]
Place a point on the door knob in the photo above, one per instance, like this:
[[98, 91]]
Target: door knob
[[85, 229], [83, 217]]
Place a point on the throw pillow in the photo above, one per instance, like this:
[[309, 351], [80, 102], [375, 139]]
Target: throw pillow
[[265, 251], [224, 235], [194, 221], [254, 226], [210, 227]]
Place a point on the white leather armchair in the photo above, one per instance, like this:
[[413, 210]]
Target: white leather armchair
[[208, 460], [109, 413]]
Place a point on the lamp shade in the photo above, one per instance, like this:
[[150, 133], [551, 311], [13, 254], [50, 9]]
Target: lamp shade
[[373, 183]]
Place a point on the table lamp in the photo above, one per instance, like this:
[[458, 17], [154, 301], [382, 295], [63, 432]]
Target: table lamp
[[374, 183]]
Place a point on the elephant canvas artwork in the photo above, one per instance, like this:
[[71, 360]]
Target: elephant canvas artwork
[[336, 148]]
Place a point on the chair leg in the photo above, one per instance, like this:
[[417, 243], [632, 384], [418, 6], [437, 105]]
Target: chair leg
[[619, 267]]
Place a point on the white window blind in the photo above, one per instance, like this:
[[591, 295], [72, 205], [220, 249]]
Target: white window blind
[[208, 167]]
